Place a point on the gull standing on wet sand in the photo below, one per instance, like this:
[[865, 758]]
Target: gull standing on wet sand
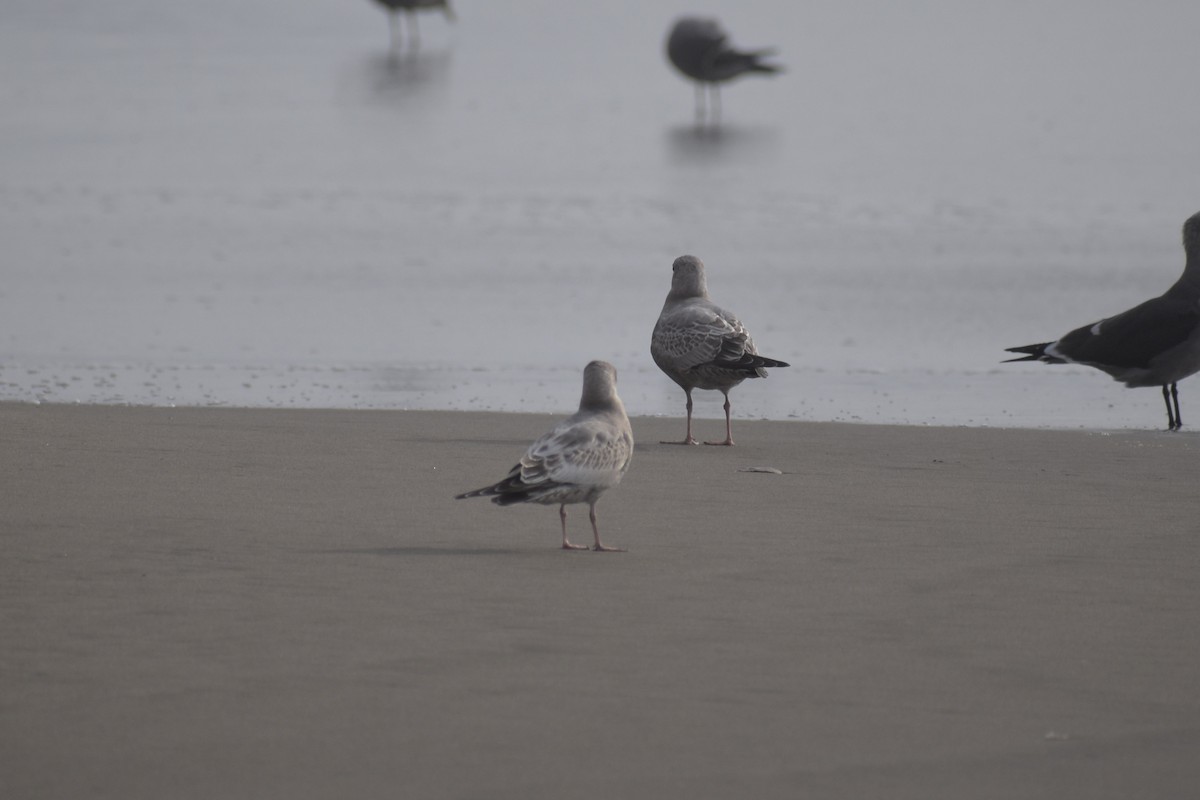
[[699, 49], [1154, 344], [578, 460], [701, 345]]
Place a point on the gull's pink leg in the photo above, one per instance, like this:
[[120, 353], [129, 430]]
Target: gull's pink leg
[[562, 514], [599, 548], [728, 427], [688, 439]]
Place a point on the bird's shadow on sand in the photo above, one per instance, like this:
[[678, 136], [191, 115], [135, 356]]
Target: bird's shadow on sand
[[714, 142], [420, 551]]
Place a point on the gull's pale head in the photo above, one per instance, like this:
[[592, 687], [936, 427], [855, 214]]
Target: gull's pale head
[[599, 385], [687, 279]]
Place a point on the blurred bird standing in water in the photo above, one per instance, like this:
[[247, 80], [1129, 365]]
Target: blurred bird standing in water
[[699, 48]]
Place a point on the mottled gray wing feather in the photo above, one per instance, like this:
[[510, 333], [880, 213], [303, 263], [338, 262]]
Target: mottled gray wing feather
[[588, 452], [695, 335]]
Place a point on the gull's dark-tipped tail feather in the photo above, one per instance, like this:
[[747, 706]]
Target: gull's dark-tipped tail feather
[[732, 356], [730, 63], [1035, 352], [758, 66], [485, 492], [503, 492], [751, 364], [509, 491]]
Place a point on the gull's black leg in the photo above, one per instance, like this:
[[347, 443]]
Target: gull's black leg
[[1172, 422], [1175, 397]]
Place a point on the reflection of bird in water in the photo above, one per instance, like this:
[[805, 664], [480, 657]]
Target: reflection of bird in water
[[1156, 343], [406, 76], [394, 7], [700, 50]]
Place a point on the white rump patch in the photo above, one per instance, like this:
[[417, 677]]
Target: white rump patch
[[1053, 351]]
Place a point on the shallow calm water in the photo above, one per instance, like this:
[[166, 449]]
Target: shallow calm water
[[256, 202]]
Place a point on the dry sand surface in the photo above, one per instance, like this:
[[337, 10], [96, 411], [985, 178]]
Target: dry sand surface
[[204, 603]]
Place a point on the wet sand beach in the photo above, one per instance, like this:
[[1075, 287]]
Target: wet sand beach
[[206, 603]]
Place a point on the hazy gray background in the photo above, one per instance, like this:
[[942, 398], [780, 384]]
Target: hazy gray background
[[250, 202]]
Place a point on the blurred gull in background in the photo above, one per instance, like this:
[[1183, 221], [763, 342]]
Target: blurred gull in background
[[699, 49]]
